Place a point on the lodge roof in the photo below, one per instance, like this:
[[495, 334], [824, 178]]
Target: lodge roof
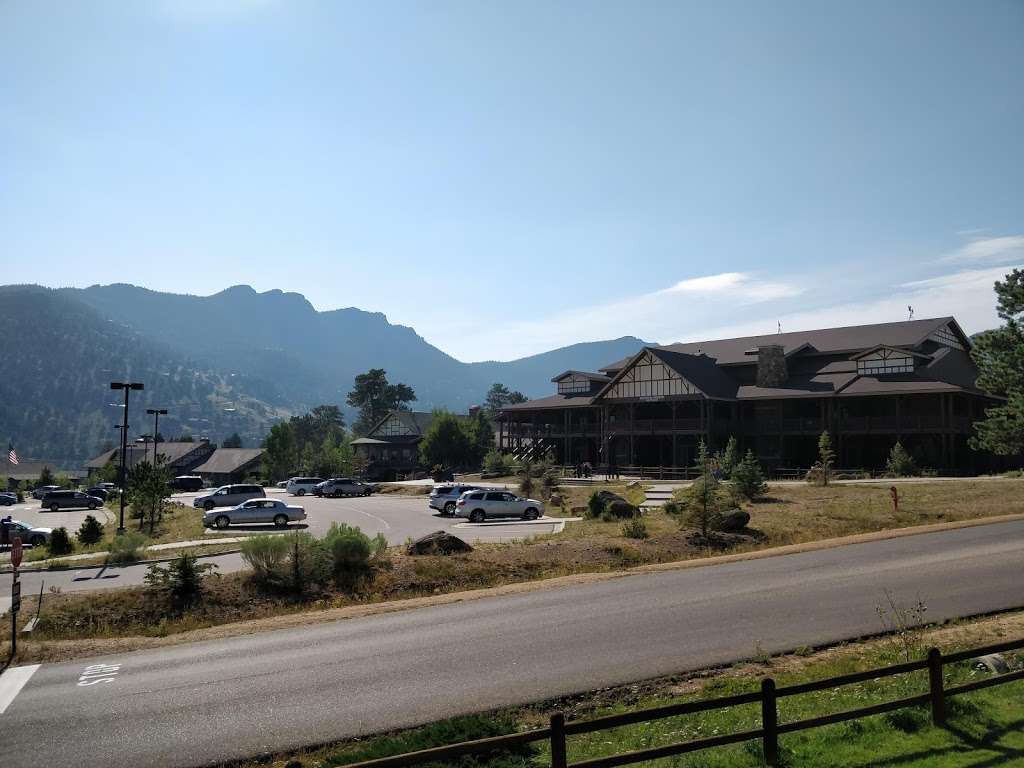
[[906, 333], [225, 461]]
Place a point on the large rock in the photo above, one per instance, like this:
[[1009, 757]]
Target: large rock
[[734, 521], [616, 505], [438, 543], [556, 500]]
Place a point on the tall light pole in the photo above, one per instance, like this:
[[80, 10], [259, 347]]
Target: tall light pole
[[156, 413], [127, 386]]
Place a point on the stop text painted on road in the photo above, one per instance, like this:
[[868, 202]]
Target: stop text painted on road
[[98, 673]]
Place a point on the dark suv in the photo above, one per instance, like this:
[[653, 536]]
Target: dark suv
[[188, 483], [57, 500]]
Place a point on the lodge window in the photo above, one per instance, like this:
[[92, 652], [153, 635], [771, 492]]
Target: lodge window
[[886, 361], [946, 337], [574, 385]]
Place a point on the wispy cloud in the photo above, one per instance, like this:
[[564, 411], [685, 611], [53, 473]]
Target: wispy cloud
[[989, 249], [737, 285]]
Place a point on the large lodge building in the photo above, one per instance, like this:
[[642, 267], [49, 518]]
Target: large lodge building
[[869, 386]]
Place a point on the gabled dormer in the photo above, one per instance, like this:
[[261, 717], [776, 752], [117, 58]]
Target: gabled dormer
[[579, 382], [885, 361]]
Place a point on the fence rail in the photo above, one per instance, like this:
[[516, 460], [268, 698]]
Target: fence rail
[[768, 733]]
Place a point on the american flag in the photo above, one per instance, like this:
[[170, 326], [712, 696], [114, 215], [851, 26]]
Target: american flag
[[12, 455]]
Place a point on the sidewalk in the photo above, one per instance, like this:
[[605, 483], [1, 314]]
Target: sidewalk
[[6, 556]]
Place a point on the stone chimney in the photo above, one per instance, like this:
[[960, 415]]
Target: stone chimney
[[771, 366]]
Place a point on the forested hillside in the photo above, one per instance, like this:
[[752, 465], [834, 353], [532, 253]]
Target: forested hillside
[[59, 357]]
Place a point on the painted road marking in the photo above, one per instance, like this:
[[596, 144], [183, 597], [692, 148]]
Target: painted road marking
[[98, 673], [381, 519], [11, 683]]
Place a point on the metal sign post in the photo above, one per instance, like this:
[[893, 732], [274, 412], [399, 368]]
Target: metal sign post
[[16, 553]]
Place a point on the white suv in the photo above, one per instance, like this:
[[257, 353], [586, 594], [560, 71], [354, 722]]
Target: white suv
[[300, 486], [482, 505]]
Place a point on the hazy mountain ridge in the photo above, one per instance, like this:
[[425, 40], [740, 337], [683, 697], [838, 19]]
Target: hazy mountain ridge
[[60, 357], [262, 353]]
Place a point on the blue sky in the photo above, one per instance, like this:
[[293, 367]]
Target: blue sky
[[512, 177]]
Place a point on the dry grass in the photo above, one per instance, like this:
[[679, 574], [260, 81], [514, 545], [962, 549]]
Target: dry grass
[[405, 490]]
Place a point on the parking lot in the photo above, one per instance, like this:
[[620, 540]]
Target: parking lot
[[32, 513], [399, 518]]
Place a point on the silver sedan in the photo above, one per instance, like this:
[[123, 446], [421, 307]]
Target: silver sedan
[[255, 511]]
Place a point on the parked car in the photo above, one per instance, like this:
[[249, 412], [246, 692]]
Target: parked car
[[188, 483], [444, 497], [42, 490], [343, 486], [7, 498], [482, 505], [29, 534], [255, 511], [282, 485], [57, 500], [229, 496], [300, 486], [99, 493]]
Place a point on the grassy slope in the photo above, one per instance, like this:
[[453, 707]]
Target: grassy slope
[[986, 728]]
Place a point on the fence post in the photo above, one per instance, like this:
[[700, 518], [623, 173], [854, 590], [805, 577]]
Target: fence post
[[558, 740], [935, 687], [769, 722]]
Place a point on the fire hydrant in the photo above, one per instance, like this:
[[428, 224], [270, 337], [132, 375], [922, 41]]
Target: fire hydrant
[[895, 499]]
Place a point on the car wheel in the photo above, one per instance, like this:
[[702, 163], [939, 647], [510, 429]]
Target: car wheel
[[367, 492], [208, 505], [477, 516], [222, 522], [531, 514], [92, 506], [37, 540], [55, 507], [281, 521], [300, 492], [449, 508]]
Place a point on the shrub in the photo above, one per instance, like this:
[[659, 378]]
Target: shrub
[[126, 547], [747, 479], [91, 530], [672, 508], [351, 551], [60, 542], [497, 462], [307, 564], [635, 529], [901, 463], [266, 556], [595, 505], [182, 578], [548, 482]]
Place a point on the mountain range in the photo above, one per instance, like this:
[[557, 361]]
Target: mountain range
[[238, 360]]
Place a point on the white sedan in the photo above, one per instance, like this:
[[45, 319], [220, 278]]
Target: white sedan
[[255, 511]]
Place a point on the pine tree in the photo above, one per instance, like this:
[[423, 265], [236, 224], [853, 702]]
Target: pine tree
[[1000, 358], [730, 458], [747, 479], [826, 457], [901, 463]]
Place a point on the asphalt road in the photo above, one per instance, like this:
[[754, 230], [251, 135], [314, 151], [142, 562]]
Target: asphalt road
[[192, 704]]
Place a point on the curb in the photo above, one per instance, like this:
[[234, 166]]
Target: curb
[[114, 565]]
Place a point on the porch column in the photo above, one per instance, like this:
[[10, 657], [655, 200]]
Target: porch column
[[632, 434], [899, 421]]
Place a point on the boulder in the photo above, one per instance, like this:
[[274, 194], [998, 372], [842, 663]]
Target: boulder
[[616, 505], [438, 543], [993, 662], [556, 500], [734, 521]]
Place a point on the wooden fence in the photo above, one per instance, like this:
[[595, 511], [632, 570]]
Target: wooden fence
[[559, 730]]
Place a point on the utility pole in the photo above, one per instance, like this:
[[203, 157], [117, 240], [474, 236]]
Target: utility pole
[[122, 476], [156, 413]]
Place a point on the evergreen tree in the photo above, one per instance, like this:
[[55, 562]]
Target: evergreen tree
[[826, 457], [233, 441], [747, 478], [46, 476], [374, 396], [1000, 357], [446, 442], [900, 463], [730, 458]]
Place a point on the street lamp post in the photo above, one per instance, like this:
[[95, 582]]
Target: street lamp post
[[127, 386], [156, 413]]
